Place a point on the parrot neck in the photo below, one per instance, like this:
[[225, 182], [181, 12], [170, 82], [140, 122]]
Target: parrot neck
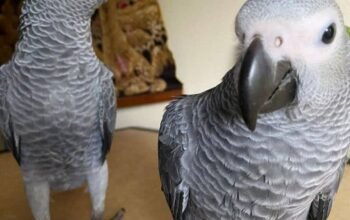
[[82, 9], [49, 33], [223, 98]]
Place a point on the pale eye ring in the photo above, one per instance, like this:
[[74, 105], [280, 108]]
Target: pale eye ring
[[329, 34]]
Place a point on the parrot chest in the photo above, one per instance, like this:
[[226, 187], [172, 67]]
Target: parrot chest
[[263, 176], [57, 105], [58, 126]]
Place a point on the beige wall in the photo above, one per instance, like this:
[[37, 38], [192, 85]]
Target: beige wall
[[202, 39]]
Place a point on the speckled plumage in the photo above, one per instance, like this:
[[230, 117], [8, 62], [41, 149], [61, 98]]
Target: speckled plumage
[[57, 99], [213, 167]]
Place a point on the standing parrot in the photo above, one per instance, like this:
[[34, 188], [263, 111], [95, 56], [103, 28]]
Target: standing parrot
[[270, 141], [57, 104]]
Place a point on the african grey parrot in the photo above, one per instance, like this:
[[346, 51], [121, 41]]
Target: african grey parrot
[[57, 103], [270, 141]]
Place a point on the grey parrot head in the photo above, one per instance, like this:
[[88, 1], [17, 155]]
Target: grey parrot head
[[293, 53]]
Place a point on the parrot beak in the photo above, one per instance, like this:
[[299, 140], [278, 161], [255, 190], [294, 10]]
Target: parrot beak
[[264, 86]]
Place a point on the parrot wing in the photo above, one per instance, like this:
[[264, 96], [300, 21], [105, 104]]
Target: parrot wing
[[172, 146], [321, 206], [107, 113], [12, 141]]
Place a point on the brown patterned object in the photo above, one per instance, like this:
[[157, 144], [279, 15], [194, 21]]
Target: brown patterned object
[[129, 36]]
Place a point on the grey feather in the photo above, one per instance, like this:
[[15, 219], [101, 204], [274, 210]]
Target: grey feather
[[6, 124], [213, 167]]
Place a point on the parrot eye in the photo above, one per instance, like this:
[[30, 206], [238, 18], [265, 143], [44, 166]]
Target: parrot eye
[[329, 34]]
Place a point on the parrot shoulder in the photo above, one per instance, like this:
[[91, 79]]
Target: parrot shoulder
[[172, 147]]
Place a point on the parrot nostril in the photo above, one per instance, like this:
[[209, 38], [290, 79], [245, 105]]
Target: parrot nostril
[[278, 41]]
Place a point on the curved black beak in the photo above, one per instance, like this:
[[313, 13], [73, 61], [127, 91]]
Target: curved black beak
[[264, 86]]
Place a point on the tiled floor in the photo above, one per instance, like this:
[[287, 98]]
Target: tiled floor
[[133, 184]]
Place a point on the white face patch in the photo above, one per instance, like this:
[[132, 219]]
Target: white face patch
[[298, 39]]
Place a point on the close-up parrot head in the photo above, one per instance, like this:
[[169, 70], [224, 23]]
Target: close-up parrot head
[[293, 54]]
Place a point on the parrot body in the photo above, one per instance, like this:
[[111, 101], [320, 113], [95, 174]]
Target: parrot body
[[58, 104], [270, 141]]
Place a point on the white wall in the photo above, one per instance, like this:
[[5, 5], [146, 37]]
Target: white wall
[[345, 7], [201, 37]]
